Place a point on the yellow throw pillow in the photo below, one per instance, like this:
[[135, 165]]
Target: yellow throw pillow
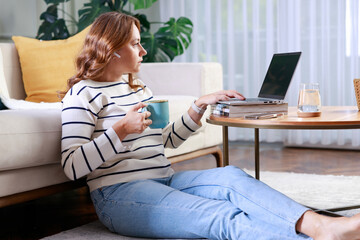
[[47, 65]]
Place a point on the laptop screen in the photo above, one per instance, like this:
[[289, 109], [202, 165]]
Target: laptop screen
[[279, 75]]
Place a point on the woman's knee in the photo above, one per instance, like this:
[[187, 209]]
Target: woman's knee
[[234, 171]]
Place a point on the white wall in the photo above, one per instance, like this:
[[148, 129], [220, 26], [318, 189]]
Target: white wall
[[20, 17]]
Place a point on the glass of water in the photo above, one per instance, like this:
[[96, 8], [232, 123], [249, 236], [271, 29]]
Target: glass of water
[[309, 103]]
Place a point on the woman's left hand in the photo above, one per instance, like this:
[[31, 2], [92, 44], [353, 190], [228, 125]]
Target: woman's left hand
[[213, 98]]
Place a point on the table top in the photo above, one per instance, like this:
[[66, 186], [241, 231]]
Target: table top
[[332, 117]]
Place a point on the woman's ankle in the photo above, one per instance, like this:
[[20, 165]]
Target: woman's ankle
[[311, 223]]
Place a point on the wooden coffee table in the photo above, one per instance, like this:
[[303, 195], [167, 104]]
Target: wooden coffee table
[[332, 117]]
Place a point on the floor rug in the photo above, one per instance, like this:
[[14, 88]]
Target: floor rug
[[318, 191]]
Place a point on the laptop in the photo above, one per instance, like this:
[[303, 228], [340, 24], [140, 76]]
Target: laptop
[[276, 83]]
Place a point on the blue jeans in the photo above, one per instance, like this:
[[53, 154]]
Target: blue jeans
[[220, 203]]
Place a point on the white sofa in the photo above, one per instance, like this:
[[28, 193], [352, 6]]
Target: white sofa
[[30, 132]]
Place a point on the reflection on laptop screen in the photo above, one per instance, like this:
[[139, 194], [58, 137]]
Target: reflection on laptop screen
[[278, 77]]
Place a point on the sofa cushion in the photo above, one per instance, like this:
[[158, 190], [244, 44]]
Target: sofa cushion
[[30, 134], [194, 79], [26, 179], [29, 137], [178, 104], [46, 65]]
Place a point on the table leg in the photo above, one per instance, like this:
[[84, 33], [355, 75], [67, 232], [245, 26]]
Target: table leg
[[257, 154], [225, 145]]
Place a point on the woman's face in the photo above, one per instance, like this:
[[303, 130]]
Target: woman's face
[[131, 54]]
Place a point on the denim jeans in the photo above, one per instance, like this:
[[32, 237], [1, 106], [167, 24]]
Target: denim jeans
[[220, 203]]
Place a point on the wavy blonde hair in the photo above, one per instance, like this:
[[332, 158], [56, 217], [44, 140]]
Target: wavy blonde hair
[[109, 32]]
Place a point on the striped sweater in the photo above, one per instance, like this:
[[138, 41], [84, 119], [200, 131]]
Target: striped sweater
[[90, 146]]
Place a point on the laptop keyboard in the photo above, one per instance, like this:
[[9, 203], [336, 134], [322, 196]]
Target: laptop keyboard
[[256, 99], [249, 99]]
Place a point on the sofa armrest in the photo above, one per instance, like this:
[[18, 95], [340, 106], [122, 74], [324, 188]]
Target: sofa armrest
[[11, 85], [194, 79]]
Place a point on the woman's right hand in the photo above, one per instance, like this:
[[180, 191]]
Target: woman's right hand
[[133, 122]]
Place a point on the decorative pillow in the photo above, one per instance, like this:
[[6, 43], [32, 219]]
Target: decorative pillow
[[47, 65]]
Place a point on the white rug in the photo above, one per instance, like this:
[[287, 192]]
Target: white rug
[[319, 191]]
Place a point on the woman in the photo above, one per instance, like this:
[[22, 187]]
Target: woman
[[134, 189]]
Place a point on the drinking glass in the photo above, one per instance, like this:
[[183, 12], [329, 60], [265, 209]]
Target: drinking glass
[[309, 103]]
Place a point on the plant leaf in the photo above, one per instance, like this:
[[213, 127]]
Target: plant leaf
[[52, 27], [91, 11], [50, 14], [53, 31], [181, 30], [117, 4], [122, 4], [140, 4], [48, 17], [144, 23], [160, 46]]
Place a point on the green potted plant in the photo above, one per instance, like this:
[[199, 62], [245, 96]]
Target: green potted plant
[[169, 41]]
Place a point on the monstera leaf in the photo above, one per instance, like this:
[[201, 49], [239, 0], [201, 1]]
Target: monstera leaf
[[140, 4], [93, 9], [168, 42], [160, 47], [181, 30], [144, 23], [52, 27]]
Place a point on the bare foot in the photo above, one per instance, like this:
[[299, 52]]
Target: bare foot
[[341, 228]]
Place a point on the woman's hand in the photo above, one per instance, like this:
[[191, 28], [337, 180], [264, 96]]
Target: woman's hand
[[133, 122], [213, 98]]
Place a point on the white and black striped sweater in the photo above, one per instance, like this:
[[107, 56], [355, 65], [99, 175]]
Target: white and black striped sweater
[[90, 146]]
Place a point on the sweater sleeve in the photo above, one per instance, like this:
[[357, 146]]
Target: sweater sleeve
[[174, 134], [80, 154]]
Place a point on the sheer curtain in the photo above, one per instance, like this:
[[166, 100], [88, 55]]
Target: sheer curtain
[[243, 35]]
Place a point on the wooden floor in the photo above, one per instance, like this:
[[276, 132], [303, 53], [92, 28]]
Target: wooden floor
[[50, 215]]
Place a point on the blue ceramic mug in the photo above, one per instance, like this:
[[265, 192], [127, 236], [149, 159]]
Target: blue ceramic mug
[[159, 110]]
